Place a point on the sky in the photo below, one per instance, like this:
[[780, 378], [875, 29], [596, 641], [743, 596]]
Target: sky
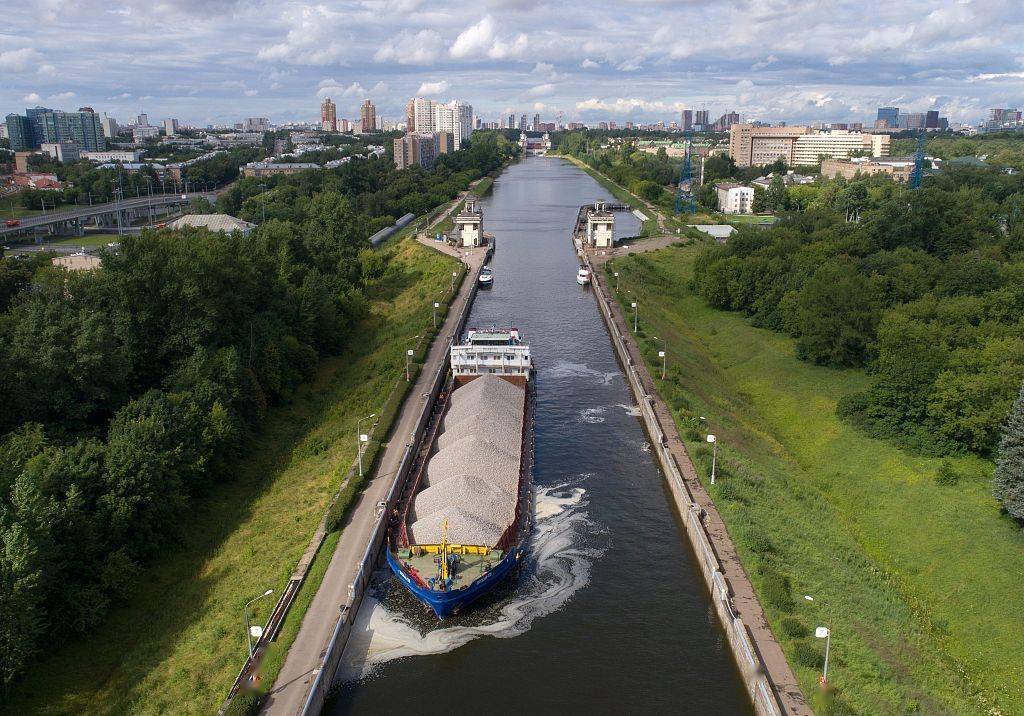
[[216, 61]]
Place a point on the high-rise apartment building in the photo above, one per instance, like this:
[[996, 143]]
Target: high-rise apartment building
[[931, 119], [723, 123], [170, 127], [328, 115], [423, 114], [110, 127], [410, 116], [418, 148], [536, 122], [142, 120], [256, 124], [750, 145], [522, 122], [21, 133], [47, 126], [700, 118], [687, 120], [368, 117]]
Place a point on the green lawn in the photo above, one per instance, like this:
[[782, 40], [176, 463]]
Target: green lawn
[[178, 644], [748, 219], [923, 583], [89, 241]]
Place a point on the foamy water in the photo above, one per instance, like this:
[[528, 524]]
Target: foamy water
[[565, 369], [557, 567]]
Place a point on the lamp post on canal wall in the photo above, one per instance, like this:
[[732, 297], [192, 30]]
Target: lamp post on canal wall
[[714, 455]]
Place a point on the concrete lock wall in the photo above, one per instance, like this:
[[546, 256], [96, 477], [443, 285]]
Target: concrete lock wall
[[343, 628], [765, 701]]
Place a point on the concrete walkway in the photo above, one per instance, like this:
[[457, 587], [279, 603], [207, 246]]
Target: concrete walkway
[[745, 601], [292, 685]]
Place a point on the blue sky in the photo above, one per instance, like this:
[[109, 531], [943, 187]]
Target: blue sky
[[220, 60]]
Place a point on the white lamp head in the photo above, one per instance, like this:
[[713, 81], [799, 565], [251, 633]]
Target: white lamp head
[[711, 438]]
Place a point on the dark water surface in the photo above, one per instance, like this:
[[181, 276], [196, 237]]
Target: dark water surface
[[609, 613]]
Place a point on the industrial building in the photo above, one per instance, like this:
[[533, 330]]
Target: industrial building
[[600, 226]]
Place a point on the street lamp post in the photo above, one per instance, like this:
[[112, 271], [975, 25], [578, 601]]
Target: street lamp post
[[436, 306], [714, 455], [454, 274], [635, 312], [823, 632], [362, 439], [661, 354], [616, 281], [408, 359], [249, 629]]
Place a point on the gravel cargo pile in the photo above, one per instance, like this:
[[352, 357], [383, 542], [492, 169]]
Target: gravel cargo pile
[[473, 479], [463, 528]]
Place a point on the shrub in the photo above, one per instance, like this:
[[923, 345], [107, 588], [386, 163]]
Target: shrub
[[776, 589], [760, 543], [809, 654], [946, 475], [794, 628]]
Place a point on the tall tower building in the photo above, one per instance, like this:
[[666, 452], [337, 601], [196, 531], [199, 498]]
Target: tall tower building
[[423, 111], [536, 122], [687, 120], [368, 116], [410, 116], [328, 115], [455, 118]]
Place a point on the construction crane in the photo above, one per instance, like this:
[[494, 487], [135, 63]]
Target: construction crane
[[685, 193], [915, 176]]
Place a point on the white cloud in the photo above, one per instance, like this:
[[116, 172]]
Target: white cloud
[[251, 93], [63, 95], [431, 88], [481, 41], [629, 65], [622, 105], [589, 64], [988, 76], [406, 48], [543, 68], [540, 90], [760, 65], [32, 97], [18, 60]]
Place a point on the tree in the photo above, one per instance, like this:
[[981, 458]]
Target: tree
[[1008, 479], [835, 317], [775, 196]]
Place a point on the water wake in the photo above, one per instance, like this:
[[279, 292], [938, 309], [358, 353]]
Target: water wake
[[565, 369], [556, 568], [592, 415]]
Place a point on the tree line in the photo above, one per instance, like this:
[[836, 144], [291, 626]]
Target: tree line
[[129, 390], [923, 288]]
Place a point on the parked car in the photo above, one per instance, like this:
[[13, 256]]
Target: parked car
[[11, 223]]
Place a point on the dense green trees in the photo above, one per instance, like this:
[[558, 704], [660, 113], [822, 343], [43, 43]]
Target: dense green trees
[[924, 290], [128, 390]]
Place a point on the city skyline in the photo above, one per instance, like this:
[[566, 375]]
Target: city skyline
[[282, 60]]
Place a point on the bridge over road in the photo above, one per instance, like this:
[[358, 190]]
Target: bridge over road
[[73, 221]]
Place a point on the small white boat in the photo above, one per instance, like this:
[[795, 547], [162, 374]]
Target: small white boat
[[486, 277], [583, 276]]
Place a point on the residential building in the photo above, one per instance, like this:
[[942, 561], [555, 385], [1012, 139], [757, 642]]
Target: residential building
[[455, 117], [63, 152], [170, 127], [700, 118], [256, 124], [142, 120], [725, 122], [367, 117], [522, 122], [328, 115], [735, 198], [790, 178], [931, 119], [115, 155], [344, 126], [410, 116], [750, 145], [21, 162], [110, 127], [422, 115], [419, 148], [837, 144], [269, 169], [445, 142], [46, 126], [235, 139], [899, 169], [687, 120], [536, 123], [510, 122]]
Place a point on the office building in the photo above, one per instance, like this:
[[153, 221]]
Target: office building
[[931, 119], [328, 115], [170, 127], [889, 115], [914, 120], [367, 117], [687, 120], [21, 133], [142, 132], [81, 127], [750, 145], [809, 149]]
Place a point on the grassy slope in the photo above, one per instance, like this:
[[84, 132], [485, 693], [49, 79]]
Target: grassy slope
[[924, 583], [179, 644]]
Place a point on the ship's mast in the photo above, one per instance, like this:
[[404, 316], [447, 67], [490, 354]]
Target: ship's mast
[[444, 553]]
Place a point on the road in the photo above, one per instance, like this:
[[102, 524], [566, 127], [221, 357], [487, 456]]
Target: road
[[292, 686], [84, 212]]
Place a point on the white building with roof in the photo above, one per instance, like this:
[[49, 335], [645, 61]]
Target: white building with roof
[[224, 223], [735, 198]]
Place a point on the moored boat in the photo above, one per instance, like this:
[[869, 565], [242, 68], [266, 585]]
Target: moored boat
[[466, 509], [583, 276], [486, 277]]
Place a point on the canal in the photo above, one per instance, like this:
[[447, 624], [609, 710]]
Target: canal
[[609, 613]]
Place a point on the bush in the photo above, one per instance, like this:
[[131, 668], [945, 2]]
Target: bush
[[809, 654], [794, 628], [946, 475], [776, 589], [760, 543]]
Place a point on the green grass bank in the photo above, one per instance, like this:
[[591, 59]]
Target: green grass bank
[[922, 581], [178, 644]]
